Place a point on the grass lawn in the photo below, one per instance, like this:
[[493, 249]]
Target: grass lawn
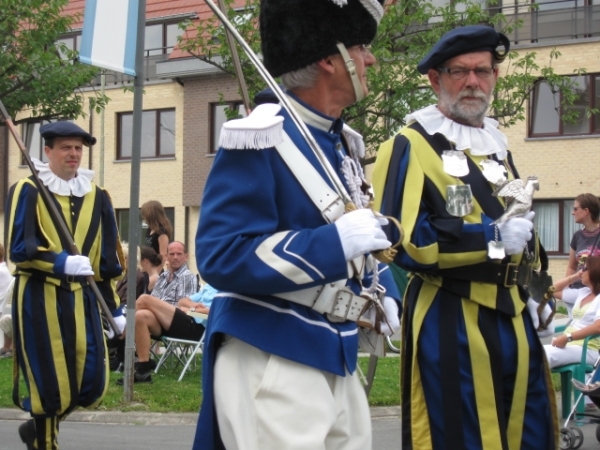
[[166, 394]]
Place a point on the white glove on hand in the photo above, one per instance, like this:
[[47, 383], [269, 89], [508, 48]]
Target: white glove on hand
[[78, 265], [516, 232], [391, 312], [532, 307], [360, 232], [120, 322]]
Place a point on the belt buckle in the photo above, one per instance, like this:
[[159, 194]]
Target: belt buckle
[[512, 282], [70, 278]]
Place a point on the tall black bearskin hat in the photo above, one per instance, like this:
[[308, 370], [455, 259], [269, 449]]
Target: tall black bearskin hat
[[297, 33]]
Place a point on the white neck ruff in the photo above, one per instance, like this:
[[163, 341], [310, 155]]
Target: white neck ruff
[[77, 186], [487, 140]]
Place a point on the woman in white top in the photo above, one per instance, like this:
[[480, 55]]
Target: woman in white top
[[567, 348]]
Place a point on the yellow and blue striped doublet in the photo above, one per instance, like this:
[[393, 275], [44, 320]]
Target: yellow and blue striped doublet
[[474, 374], [58, 336]]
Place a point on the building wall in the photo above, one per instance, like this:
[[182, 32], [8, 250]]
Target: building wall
[[200, 93], [197, 159], [565, 166]]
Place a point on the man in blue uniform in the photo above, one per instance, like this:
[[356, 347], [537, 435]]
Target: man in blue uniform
[[474, 374], [58, 337], [293, 270]]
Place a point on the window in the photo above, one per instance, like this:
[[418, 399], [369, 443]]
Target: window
[[547, 115], [72, 42], [555, 224], [123, 224], [158, 134], [160, 38], [218, 117], [33, 141]]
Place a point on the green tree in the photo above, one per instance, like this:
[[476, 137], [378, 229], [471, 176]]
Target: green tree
[[37, 74], [407, 32]]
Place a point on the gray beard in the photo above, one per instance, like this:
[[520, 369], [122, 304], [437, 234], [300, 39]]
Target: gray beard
[[471, 113]]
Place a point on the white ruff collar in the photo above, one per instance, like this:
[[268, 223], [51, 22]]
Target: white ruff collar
[[78, 186], [479, 141]]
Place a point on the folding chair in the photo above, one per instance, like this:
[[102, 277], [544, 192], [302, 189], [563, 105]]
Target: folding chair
[[184, 351]]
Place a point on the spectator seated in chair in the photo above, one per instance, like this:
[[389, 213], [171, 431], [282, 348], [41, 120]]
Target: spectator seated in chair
[[154, 317], [567, 348]]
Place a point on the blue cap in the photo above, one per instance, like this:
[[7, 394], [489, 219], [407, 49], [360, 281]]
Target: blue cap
[[473, 38], [66, 129]]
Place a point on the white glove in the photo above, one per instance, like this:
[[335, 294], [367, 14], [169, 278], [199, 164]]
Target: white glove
[[360, 232], [120, 322], [78, 265], [391, 312], [532, 307], [516, 232]]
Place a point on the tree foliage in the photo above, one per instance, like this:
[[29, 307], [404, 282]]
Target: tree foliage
[[37, 74], [407, 32]]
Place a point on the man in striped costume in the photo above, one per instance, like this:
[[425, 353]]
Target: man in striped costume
[[474, 375], [58, 338]]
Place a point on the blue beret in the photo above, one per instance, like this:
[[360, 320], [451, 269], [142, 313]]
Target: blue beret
[[66, 129], [473, 38]]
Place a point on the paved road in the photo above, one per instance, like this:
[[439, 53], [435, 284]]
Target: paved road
[[139, 431]]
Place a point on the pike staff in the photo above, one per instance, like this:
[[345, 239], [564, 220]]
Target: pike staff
[[57, 219]]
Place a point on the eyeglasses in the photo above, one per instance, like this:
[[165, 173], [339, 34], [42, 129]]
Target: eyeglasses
[[458, 73], [364, 48]]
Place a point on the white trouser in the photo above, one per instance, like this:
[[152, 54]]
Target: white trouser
[[571, 354], [6, 325], [266, 402]]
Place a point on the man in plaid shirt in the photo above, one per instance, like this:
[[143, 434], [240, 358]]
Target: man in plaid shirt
[[178, 281], [158, 311]]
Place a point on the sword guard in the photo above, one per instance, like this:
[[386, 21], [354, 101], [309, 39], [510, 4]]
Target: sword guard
[[386, 255]]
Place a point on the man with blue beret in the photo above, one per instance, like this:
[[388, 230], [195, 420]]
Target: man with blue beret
[[57, 329], [474, 374]]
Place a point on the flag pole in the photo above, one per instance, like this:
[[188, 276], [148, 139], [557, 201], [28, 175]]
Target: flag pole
[[134, 203]]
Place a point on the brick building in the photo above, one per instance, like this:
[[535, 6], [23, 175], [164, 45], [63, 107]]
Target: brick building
[[183, 114]]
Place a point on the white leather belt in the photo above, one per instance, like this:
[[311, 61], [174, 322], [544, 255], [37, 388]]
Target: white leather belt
[[323, 197], [333, 298]]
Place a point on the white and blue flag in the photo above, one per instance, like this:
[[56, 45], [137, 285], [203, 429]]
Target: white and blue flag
[[109, 35]]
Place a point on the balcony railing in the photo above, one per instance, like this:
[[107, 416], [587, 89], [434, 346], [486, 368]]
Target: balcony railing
[[558, 20], [151, 58]]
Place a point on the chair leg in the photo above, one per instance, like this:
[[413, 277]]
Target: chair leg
[[565, 382], [191, 357], [164, 356]]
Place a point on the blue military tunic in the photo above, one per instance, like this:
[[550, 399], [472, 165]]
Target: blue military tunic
[[259, 235]]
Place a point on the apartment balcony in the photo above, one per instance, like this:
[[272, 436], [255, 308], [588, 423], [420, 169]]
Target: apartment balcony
[[151, 58], [557, 20]]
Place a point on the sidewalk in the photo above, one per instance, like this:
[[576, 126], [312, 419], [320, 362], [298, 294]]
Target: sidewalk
[[144, 418]]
